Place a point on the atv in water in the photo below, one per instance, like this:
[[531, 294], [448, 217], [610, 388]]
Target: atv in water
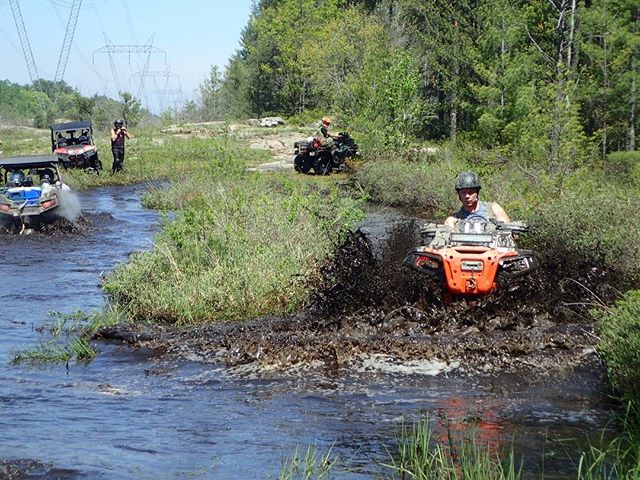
[[31, 190], [472, 258], [323, 157]]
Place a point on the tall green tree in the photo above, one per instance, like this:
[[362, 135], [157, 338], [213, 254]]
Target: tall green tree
[[131, 109], [210, 95], [84, 106], [444, 33]]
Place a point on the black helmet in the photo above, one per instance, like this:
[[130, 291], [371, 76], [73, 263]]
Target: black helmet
[[118, 123], [17, 177], [467, 180]]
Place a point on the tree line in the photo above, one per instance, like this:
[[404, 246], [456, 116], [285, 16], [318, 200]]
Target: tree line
[[552, 81], [45, 102]]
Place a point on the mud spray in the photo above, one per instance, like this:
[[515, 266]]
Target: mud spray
[[369, 306]]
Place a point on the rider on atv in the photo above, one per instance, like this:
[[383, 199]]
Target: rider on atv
[[468, 188], [323, 131]]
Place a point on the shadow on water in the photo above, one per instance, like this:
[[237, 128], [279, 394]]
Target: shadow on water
[[135, 414]]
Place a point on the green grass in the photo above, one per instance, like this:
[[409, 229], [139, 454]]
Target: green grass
[[24, 141], [421, 457], [241, 246], [308, 466], [69, 338]]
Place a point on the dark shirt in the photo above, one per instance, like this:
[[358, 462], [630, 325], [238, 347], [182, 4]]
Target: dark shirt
[[119, 141]]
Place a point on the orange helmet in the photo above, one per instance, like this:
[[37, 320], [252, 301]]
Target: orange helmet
[[326, 120]]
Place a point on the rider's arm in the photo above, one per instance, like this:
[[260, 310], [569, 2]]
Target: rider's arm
[[499, 213], [114, 135]]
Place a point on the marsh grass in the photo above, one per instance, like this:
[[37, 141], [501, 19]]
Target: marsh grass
[[24, 141], [421, 457], [240, 246], [70, 338], [309, 466], [616, 459], [151, 156]]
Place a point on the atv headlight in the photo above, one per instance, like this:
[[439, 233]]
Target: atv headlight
[[424, 261]]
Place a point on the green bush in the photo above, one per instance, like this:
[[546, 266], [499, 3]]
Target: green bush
[[624, 166], [585, 225], [619, 346]]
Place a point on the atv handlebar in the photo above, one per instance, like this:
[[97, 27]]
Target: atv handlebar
[[516, 227]]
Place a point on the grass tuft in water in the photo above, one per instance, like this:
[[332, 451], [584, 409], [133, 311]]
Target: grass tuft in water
[[310, 466], [421, 457], [617, 459], [71, 335]]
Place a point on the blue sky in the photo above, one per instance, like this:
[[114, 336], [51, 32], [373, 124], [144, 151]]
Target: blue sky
[[195, 34]]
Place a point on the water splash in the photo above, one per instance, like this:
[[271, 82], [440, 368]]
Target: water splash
[[70, 207]]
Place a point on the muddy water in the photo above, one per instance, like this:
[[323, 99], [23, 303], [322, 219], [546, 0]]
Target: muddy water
[[134, 414]]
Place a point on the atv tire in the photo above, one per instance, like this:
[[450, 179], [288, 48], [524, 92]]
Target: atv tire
[[302, 164], [323, 164]]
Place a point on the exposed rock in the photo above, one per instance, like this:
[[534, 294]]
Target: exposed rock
[[271, 121]]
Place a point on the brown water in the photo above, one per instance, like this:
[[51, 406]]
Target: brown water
[[131, 414]]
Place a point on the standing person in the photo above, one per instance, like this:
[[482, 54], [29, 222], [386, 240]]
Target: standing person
[[118, 134], [468, 188]]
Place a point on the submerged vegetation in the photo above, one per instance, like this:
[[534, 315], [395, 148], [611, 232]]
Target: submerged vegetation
[[70, 336]]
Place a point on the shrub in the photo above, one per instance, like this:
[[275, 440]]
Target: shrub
[[620, 344], [587, 226], [624, 166]]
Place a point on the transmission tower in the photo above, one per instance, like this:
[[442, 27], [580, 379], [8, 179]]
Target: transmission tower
[[68, 39], [147, 48], [24, 40], [129, 49], [66, 47], [26, 49], [64, 51]]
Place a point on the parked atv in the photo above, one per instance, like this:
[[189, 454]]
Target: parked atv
[[323, 157], [473, 258]]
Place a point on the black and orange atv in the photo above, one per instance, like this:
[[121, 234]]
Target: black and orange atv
[[472, 258]]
